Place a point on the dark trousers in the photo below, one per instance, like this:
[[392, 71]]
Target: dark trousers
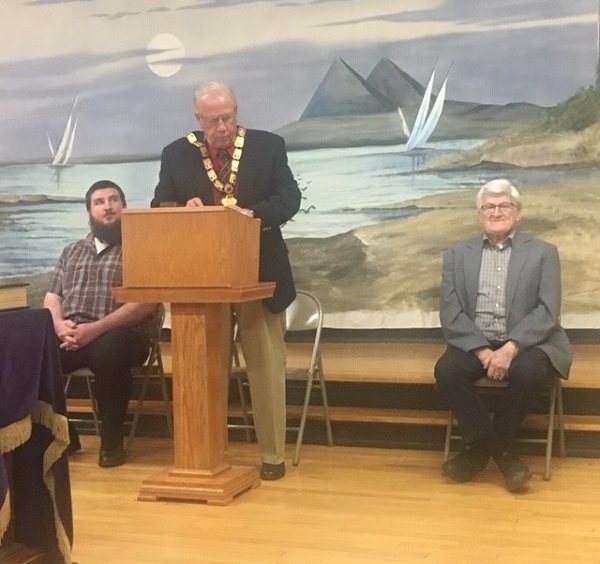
[[110, 357], [456, 372]]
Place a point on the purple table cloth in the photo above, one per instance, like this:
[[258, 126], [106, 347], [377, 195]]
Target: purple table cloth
[[34, 429]]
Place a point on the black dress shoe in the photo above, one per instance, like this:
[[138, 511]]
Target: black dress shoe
[[272, 471], [515, 471], [466, 464], [74, 442], [110, 458], [74, 445]]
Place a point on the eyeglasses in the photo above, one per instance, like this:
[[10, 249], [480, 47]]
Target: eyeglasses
[[227, 119], [504, 208]]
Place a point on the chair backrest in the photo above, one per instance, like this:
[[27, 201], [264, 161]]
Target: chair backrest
[[158, 319], [306, 314], [303, 314]]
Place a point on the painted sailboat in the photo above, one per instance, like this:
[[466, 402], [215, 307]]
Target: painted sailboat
[[62, 154], [426, 121]]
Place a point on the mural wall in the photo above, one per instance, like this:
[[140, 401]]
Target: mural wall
[[394, 114]]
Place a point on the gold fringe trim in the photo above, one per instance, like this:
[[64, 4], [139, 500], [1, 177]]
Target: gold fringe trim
[[4, 516], [15, 434], [18, 433], [11, 437], [43, 414]]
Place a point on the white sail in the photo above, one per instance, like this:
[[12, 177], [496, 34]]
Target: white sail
[[421, 114], [70, 145], [433, 118], [50, 144], [65, 146], [404, 124]]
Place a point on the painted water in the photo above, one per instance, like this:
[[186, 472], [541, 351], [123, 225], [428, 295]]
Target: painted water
[[42, 209]]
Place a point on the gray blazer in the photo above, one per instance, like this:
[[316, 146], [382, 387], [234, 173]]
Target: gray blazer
[[533, 296]]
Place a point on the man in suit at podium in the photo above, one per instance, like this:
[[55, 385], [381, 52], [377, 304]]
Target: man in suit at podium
[[94, 330], [246, 169]]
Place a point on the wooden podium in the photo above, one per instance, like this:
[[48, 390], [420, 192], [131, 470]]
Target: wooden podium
[[199, 260]]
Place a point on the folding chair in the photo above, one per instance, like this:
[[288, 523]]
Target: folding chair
[[153, 367], [305, 314], [555, 409]]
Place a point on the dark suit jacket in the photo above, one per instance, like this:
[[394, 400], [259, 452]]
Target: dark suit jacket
[[265, 185], [533, 297]]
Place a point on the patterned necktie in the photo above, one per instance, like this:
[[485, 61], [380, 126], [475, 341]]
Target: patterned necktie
[[223, 165]]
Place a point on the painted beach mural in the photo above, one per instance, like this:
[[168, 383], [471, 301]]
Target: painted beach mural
[[394, 114]]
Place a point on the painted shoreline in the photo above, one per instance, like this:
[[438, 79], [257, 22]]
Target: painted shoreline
[[394, 268], [34, 199], [388, 274]]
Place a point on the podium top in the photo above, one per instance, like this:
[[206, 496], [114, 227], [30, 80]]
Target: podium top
[[209, 246], [180, 209]]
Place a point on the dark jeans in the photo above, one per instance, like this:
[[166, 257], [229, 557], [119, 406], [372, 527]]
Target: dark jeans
[[110, 357], [456, 371]]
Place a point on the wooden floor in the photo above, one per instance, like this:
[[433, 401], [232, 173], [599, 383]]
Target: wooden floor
[[340, 505]]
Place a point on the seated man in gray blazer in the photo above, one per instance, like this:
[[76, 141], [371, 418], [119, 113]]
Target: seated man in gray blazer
[[500, 314]]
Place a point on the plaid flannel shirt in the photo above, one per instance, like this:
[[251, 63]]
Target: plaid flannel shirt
[[84, 279]]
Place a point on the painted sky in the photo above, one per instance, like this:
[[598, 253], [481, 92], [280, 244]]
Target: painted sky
[[274, 53]]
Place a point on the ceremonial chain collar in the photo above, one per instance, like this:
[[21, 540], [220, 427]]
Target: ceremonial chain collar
[[229, 187]]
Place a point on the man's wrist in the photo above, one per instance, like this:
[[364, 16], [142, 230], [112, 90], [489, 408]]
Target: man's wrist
[[513, 346]]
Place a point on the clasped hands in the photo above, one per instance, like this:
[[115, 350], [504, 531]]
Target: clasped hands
[[197, 203], [74, 336], [497, 362]]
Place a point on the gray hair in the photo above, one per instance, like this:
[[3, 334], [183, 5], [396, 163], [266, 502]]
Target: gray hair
[[499, 186], [218, 87]]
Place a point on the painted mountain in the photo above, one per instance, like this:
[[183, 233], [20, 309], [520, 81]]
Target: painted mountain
[[348, 110]]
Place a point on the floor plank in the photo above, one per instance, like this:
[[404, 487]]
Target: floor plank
[[340, 505]]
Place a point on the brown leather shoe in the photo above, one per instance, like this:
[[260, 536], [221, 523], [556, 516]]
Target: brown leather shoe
[[272, 471]]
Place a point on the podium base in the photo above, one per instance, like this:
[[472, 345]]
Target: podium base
[[219, 489]]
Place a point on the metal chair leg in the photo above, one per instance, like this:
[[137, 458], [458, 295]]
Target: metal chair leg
[[245, 412], [449, 427], [303, 417], [325, 403], [550, 433], [165, 396], [562, 448], [92, 398]]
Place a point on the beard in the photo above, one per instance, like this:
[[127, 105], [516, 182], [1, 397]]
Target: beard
[[107, 233]]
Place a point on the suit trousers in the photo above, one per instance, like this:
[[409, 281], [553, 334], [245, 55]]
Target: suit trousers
[[262, 336], [456, 372], [110, 357]]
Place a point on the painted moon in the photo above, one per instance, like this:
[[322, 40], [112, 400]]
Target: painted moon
[[165, 54]]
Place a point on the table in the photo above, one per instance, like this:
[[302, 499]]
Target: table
[[36, 502]]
